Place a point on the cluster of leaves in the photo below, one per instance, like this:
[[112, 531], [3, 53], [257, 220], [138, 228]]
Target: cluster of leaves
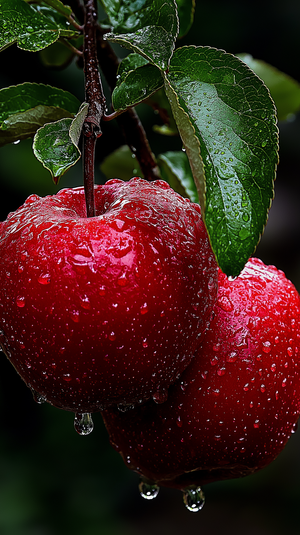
[[222, 110]]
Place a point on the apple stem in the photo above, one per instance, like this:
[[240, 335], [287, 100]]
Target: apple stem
[[129, 122], [94, 96]]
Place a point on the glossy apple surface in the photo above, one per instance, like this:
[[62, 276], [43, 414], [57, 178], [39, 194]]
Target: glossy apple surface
[[104, 310], [235, 406]]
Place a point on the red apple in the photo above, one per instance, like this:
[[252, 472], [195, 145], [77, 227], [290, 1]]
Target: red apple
[[235, 406], [104, 310]]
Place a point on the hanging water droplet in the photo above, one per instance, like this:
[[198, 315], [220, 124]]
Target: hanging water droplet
[[38, 398], [83, 423], [148, 490], [194, 499]]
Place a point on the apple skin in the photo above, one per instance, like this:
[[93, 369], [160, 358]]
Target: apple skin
[[104, 310], [235, 406]]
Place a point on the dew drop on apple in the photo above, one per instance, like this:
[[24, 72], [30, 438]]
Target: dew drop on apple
[[194, 499], [20, 300], [44, 279], [83, 423], [38, 398], [148, 490], [160, 396]]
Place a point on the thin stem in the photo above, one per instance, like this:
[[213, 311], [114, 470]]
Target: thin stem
[[73, 49], [94, 96]]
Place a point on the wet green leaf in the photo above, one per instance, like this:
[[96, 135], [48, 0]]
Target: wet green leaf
[[137, 80], [25, 25], [59, 7], [186, 10], [227, 122], [121, 164], [56, 144], [149, 28], [26, 107], [56, 55], [284, 90], [176, 170]]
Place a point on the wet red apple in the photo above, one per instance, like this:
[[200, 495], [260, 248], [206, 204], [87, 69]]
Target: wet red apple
[[104, 310], [236, 404]]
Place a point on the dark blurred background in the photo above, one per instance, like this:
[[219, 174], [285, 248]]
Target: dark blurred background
[[55, 482]]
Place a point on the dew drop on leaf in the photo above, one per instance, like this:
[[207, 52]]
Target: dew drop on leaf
[[148, 490], [193, 499], [83, 423]]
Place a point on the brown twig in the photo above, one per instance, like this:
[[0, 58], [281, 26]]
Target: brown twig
[[94, 96], [132, 128]]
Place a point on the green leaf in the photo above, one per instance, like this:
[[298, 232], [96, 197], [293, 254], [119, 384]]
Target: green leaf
[[55, 145], [26, 107], [122, 164], [137, 80], [59, 7], [56, 55], [176, 170], [150, 28], [25, 25], [186, 10], [224, 112], [284, 90]]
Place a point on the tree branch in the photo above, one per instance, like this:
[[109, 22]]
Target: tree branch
[[94, 96]]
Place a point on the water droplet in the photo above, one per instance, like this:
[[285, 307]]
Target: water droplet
[[122, 281], [160, 396], [179, 422], [83, 423], [294, 428], [144, 308], [102, 290], [38, 398], [67, 377], [20, 301], [256, 424], [75, 316], [244, 233], [112, 336], [266, 347], [221, 371], [194, 499], [148, 490], [85, 303], [262, 388], [225, 303], [232, 357], [44, 279]]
